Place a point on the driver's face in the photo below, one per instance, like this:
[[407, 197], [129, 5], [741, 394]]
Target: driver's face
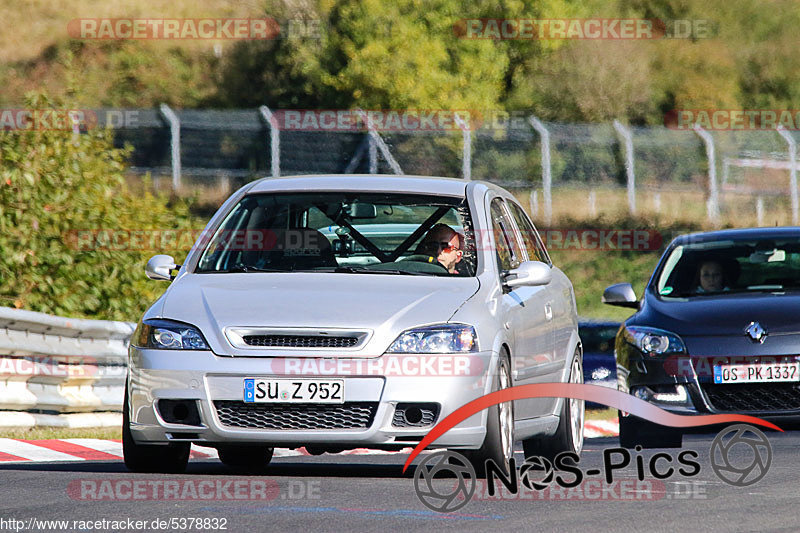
[[711, 276], [449, 251]]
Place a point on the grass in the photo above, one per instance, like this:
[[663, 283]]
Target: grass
[[668, 206], [38, 54], [33, 25], [41, 433], [672, 213]]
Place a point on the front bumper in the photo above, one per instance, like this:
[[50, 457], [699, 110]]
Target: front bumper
[[685, 386], [206, 378]]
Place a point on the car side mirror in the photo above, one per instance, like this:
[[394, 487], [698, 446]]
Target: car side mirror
[[622, 295], [528, 273], [160, 267]]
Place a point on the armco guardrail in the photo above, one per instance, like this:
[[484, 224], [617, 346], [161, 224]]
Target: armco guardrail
[[52, 364]]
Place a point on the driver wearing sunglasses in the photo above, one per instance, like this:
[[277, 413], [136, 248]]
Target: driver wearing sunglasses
[[445, 244]]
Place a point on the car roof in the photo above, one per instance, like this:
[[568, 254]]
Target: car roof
[[738, 234], [364, 182]]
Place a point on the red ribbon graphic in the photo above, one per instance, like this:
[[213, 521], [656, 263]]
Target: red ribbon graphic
[[593, 393]]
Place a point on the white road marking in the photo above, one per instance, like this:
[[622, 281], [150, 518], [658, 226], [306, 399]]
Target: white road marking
[[32, 452]]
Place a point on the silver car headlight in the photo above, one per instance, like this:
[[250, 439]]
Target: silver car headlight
[[169, 335], [444, 338], [653, 341]]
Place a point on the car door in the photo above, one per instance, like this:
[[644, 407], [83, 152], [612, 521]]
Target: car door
[[525, 314], [560, 299]]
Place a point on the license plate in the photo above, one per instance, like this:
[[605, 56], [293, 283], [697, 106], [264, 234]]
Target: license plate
[[293, 390], [757, 373]]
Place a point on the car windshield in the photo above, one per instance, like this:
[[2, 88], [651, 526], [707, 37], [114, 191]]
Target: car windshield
[[343, 232], [732, 266]]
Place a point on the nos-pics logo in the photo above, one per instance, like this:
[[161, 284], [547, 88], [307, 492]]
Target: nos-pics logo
[[446, 481]]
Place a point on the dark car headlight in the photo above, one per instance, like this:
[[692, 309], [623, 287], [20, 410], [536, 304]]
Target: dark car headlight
[[168, 335], [444, 338], [654, 341]]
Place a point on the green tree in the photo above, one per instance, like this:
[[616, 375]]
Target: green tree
[[54, 184]]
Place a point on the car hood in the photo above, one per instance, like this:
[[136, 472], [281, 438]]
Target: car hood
[[382, 305], [723, 315]]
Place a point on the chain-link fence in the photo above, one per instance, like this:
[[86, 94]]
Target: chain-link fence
[[566, 170]]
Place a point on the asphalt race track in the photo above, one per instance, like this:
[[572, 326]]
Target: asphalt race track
[[370, 493]]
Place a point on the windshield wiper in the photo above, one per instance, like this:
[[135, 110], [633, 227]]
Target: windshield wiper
[[365, 270], [744, 290], [246, 268]]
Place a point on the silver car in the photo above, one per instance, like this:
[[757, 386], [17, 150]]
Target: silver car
[[335, 312]]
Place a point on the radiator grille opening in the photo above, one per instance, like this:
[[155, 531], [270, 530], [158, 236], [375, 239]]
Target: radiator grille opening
[[299, 416], [300, 341]]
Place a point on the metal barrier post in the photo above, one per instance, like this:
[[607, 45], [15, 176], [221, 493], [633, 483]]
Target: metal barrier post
[[175, 131], [792, 169], [274, 140], [375, 143], [627, 138], [466, 153], [547, 179], [713, 193]]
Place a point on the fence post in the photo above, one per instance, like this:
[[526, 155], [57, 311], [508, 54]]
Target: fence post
[[376, 142], [175, 143], [466, 153], [547, 178], [760, 211], [274, 140], [76, 128], [713, 193], [627, 139], [792, 170]]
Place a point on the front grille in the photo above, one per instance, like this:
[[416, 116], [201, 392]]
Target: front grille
[[300, 341], [754, 397], [298, 416]]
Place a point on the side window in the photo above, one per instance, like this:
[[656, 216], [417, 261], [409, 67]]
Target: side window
[[506, 246], [531, 240]]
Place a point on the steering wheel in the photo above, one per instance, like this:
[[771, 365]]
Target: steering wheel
[[435, 265]]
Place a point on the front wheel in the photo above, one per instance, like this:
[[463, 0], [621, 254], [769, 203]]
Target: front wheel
[[164, 459], [569, 435], [498, 445]]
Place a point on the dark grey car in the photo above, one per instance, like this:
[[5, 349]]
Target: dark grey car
[[716, 331]]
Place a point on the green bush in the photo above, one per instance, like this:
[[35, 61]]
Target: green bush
[[53, 185]]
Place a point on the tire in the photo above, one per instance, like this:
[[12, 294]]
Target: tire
[[250, 458], [498, 445], [569, 434], [164, 459], [634, 431]]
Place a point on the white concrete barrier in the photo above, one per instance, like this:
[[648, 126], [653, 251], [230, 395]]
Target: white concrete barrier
[[51, 364]]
